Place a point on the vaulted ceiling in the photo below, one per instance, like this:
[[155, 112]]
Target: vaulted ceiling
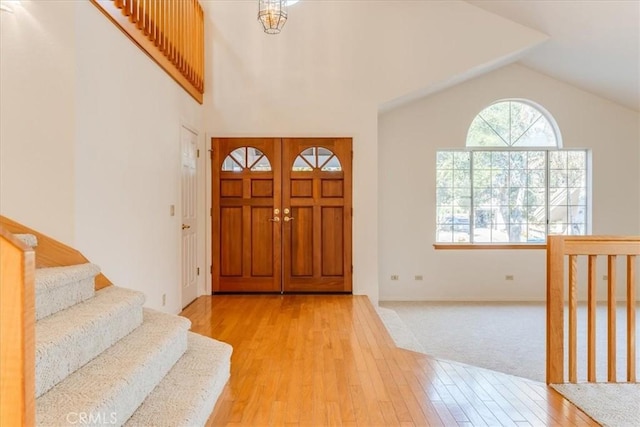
[[593, 44]]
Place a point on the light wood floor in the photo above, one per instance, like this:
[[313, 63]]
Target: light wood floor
[[314, 360]]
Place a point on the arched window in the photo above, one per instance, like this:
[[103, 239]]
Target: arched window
[[246, 158], [513, 183], [513, 123], [316, 158]]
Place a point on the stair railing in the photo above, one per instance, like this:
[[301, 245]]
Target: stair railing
[[17, 332], [171, 32], [569, 248]]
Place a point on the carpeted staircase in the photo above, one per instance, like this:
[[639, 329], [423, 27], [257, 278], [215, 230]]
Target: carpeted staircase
[[103, 359]]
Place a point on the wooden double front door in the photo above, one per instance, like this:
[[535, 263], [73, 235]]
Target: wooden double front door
[[281, 217]]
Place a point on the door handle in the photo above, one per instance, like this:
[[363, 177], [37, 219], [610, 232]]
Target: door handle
[[287, 219], [275, 219], [185, 226]]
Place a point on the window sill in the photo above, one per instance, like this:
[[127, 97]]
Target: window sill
[[501, 246]]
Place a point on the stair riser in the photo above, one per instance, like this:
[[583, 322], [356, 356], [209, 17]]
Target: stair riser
[[104, 396], [54, 362], [188, 394], [131, 395], [50, 301]]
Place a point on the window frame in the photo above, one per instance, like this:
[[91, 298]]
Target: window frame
[[515, 148]]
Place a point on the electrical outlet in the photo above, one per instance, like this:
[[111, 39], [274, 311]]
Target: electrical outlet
[[394, 277], [164, 299], [508, 277], [418, 277]]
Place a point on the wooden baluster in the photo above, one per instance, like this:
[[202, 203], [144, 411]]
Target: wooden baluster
[[591, 320], [190, 40], [132, 11], [631, 319], [126, 8], [119, 4], [152, 20], [611, 319], [172, 31], [160, 26], [146, 26], [164, 5], [555, 309], [573, 327], [200, 37], [181, 23]]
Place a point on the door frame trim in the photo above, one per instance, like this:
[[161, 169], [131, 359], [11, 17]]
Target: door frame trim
[[177, 214]]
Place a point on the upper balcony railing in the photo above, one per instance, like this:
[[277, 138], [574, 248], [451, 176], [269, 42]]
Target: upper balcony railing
[[169, 31]]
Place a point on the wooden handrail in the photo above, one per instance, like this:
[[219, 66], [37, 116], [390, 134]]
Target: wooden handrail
[[51, 252], [571, 247], [17, 332], [171, 32]]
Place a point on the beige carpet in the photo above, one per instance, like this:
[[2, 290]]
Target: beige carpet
[[510, 338]]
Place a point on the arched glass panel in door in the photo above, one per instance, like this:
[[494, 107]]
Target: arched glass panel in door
[[316, 158], [246, 158]]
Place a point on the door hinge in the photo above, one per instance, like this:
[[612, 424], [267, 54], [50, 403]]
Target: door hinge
[[211, 269], [351, 211], [198, 271], [198, 153], [210, 211], [352, 268]]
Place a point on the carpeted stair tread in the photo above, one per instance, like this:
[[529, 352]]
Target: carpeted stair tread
[[60, 287], [28, 239], [115, 383], [188, 394], [68, 339]]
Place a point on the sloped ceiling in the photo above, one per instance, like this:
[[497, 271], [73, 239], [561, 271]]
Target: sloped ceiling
[[593, 44]]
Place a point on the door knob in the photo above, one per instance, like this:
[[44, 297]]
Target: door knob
[[287, 219], [185, 226], [275, 219], [286, 211]]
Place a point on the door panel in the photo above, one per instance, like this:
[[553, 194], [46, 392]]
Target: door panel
[[282, 215], [231, 241], [317, 240], [301, 241], [332, 241], [261, 242], [246, 190]]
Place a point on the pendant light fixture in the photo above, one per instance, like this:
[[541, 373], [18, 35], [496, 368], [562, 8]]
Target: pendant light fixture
[[272, 14]]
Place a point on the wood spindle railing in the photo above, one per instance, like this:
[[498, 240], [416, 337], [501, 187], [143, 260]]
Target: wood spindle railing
[[573, 318], [591, 319], [559, 247], [169, 31], [611, 318], [631, 318]]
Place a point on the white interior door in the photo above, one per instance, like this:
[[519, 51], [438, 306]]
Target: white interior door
[[189, 144]]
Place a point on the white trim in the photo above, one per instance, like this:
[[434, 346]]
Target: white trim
[[208, 207]]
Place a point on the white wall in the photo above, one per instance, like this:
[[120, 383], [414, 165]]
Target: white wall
[[129, 113], [408, 139], [37, 116], [103, 182], [329, 70]]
